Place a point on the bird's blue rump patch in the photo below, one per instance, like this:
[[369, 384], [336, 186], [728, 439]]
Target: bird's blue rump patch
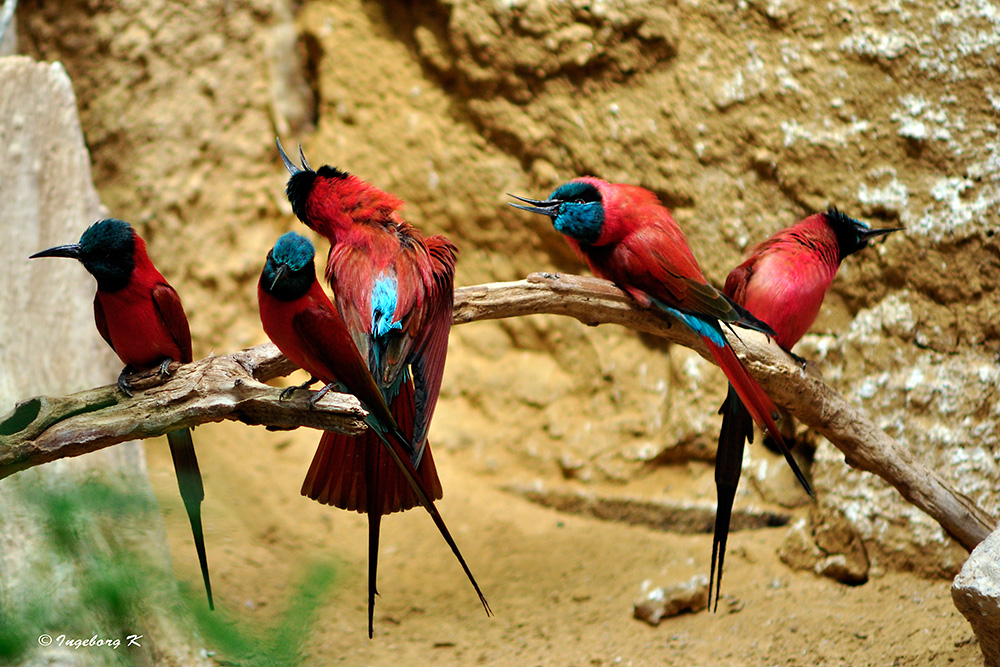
[[384, 306], [708, 330]]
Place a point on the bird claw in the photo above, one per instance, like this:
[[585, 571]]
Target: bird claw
[[165, 368], [801, 361], [123, 383], [314, 399], [287, 392]]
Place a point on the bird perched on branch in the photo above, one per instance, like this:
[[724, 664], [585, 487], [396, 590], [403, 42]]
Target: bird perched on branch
[[394, 289], [782, 282], [141, 317], [626, 236]]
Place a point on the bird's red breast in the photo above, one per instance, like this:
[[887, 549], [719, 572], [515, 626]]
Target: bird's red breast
[[785, 278], [278, 319], [144, 322]]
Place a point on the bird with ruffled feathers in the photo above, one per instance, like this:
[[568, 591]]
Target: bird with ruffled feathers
[[394, 290]]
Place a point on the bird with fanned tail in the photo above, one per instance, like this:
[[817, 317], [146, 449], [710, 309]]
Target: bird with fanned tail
[[394, 290]]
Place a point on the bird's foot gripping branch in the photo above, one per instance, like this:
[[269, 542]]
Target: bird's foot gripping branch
[[230, 387], [44, 429]]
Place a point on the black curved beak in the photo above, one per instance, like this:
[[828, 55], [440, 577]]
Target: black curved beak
[[549, 207], [279, 274], [71, 250], [291, 166], [869, 234]]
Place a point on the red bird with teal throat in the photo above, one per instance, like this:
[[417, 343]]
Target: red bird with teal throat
[[627, 236], [141, 317], [782, 282], [394, 289]]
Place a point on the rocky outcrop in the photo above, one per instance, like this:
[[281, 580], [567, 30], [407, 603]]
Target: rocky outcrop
[[976, 591]]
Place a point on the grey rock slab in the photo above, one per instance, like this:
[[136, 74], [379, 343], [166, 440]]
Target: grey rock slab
[[976, 592]]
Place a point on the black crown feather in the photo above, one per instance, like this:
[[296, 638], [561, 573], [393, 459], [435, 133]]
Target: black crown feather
[[838, 219], [300, 185], [326, 171], [848, 231]]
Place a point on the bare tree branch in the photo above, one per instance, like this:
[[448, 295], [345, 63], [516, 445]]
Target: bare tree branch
[[229, 387], [804, 395], [44, 429]]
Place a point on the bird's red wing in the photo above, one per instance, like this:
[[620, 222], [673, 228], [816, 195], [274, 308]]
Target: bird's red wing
[[171, 312], [329, 348], [443, 254], [676, 284], [427, 362], [102, 321], [738, 279], [349, 271]]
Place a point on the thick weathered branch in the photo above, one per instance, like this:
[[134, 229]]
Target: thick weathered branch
[[806, 397], [208, 391], [44, 429]]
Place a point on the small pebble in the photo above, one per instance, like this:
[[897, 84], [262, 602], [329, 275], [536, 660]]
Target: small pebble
[[655, 604]]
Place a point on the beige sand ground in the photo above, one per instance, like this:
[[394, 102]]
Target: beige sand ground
[[562, 586]]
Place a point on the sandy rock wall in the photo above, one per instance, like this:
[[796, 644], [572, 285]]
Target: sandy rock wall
[[742, 116]]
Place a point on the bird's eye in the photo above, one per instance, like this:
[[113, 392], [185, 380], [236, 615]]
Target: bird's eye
[[580, 201]]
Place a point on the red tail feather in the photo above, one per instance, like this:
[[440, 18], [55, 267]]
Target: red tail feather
[[337, 473], [757, 403]]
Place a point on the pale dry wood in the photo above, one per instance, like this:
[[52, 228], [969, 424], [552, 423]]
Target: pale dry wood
[[207, 391], [44, 429], [804, 395]]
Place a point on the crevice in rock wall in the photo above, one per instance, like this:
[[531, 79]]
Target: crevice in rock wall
[[512, 51], [506, 58]]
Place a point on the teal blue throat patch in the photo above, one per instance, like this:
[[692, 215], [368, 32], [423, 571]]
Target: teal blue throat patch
[[581, 214], [580, 222]]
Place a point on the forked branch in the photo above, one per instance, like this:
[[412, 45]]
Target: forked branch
[[229, 387]]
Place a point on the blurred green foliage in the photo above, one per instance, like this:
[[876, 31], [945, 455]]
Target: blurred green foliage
[[115, 590], [244, 644]]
